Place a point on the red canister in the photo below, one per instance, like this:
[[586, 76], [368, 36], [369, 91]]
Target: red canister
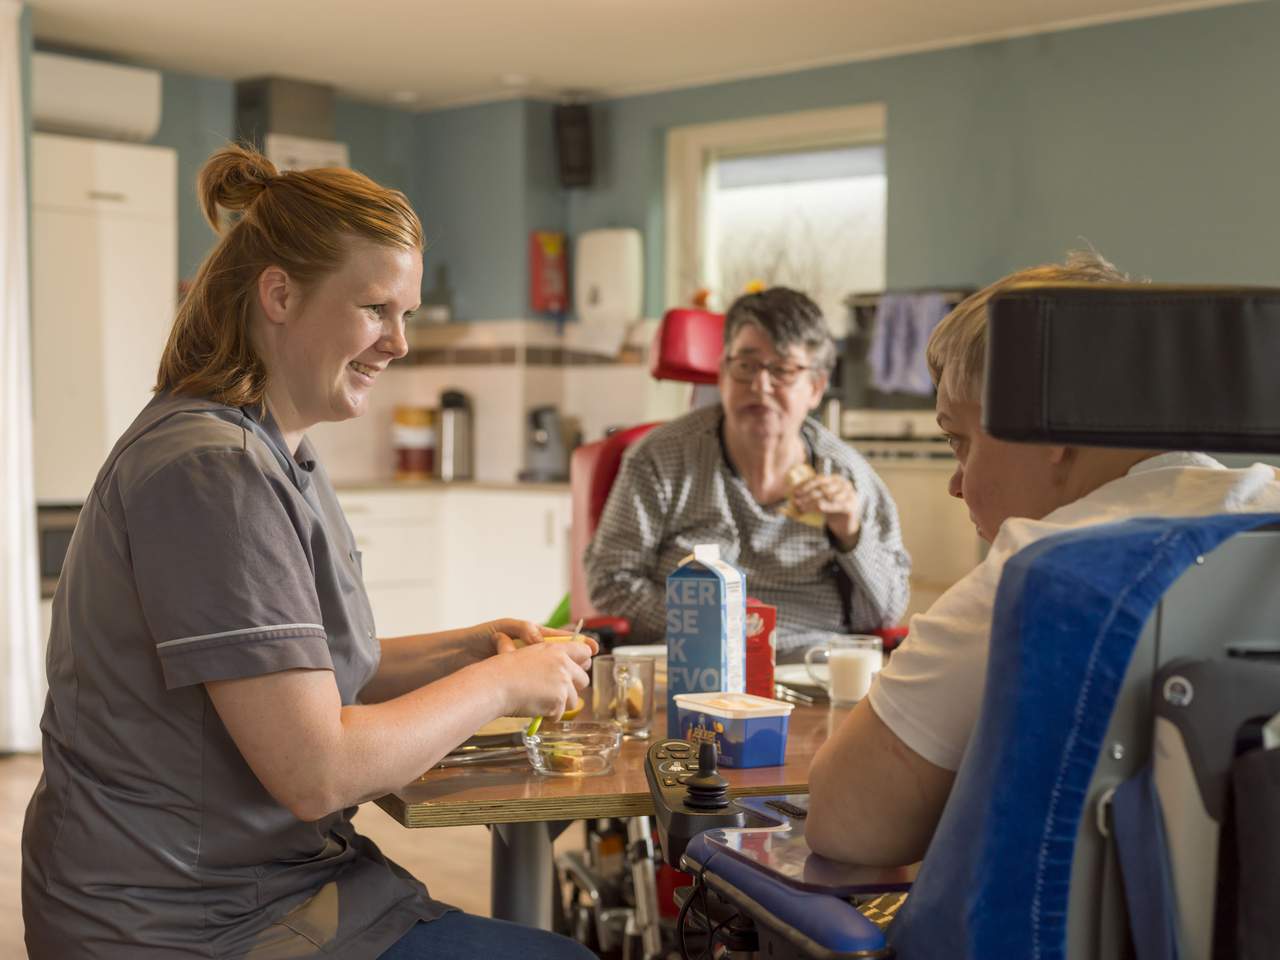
[[762, 621]]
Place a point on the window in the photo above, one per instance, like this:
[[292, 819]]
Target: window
[[808, 219], [797, 200]]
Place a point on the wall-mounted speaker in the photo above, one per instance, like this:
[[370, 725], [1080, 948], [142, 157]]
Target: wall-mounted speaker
[[573, 144]]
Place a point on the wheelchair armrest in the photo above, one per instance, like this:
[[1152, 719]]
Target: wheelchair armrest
[[611, 631], [891, 636], [620, 626], [818, 924]]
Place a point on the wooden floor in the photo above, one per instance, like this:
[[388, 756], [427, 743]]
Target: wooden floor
[[452, 861]]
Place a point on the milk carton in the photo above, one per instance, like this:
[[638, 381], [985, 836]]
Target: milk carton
[[706, 640]]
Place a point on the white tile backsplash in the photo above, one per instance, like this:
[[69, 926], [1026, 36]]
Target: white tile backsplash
[[597, 395]]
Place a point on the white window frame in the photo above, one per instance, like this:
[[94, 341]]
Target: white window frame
[[692, 149]]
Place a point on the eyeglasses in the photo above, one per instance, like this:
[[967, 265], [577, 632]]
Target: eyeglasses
[[745, 370]]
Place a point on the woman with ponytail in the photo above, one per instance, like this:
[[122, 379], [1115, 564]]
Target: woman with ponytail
[[219, 701]]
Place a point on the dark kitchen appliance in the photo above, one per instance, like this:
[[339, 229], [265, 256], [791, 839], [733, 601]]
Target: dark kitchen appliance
[[546, 447], [54, 526]]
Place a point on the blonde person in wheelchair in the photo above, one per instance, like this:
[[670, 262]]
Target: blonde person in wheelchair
[[790, 504], [879, 784]]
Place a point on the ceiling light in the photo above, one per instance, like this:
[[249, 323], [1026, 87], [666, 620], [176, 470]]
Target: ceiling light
[[404, 96]]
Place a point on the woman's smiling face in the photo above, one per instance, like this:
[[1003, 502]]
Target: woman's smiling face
[[335, 338]]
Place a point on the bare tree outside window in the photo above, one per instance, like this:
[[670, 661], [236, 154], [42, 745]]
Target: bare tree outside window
[[813, 220]]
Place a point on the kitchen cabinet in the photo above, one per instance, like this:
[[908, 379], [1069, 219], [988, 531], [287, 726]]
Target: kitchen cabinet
[[104, 270], [398, 535], [507, 553], [437, 557]]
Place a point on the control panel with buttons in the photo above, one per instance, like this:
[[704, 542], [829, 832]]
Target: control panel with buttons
[[689, 795]]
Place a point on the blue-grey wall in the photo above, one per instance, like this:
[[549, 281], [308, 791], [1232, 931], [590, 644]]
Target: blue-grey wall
[[480, 178], [196, 118], [1153, 139], [485, 177], [469, 192]]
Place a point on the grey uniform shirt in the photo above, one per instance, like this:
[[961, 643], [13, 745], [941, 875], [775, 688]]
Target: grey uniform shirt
[[677, 488], [204, 552]]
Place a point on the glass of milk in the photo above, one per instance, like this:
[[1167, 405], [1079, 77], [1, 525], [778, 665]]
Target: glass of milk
[[852, 661]]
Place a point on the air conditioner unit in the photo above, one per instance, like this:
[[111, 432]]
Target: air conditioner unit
[[94, 99]]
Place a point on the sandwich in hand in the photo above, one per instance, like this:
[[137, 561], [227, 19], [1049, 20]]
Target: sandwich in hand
[[795, 477]]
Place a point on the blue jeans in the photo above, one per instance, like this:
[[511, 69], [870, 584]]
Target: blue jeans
[[463, 936]]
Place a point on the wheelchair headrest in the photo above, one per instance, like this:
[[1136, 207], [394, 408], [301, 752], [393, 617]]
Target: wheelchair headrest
[[1135, 365], [687, 346]]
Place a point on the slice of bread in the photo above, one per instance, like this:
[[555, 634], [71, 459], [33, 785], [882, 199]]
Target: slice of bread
[[796, 476]]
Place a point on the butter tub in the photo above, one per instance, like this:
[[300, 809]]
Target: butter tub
[[748, 731]]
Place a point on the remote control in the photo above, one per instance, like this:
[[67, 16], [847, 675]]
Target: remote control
[[689, 795]]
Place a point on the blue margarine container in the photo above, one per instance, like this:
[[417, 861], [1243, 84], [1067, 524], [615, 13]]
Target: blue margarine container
[[748, 731]]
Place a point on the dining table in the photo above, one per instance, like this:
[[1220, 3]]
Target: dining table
[[526, 809]]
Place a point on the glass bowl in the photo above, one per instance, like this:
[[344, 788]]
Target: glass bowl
[[573, 748]]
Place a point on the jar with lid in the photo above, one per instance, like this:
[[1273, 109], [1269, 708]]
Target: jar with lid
[[413, 437]]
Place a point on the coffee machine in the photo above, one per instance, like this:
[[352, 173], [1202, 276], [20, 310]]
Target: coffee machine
[[546, 447]]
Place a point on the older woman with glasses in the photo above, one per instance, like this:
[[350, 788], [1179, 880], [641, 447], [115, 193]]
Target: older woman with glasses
[[790, 504]]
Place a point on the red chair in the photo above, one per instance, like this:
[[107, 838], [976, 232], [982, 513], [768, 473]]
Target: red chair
[[686, 348]]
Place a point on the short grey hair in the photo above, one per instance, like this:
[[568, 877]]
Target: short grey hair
[[957, 350], [789, 319]]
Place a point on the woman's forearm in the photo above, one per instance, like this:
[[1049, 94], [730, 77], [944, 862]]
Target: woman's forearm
[[414, 661], [386, 745], [315, 755]]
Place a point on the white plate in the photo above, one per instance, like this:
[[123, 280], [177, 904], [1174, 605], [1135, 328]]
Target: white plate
[[503, 726], [797, 674]]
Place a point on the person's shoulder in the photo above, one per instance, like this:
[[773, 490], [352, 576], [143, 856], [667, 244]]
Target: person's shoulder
[[176, 434], [686, 432]]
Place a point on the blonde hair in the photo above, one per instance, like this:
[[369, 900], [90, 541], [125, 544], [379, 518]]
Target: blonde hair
[[957, 350], [300, 221]]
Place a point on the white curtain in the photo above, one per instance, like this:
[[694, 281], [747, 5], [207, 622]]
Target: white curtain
[[21, 646]]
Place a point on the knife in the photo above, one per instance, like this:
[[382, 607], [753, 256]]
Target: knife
[[782, 692], [475, 755]]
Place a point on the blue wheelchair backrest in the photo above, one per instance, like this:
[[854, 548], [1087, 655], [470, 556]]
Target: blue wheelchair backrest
[[1070, 611]]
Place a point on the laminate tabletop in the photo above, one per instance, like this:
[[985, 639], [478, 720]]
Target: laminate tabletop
[[515, 793]]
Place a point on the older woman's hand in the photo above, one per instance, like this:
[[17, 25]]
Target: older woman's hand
[[834, 496]]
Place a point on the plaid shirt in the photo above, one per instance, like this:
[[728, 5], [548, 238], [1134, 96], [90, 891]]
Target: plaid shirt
[[677, 488]]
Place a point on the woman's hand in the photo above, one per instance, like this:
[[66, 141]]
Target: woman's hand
[[501, 636], [834, 496], [543, 679], [508, 635]]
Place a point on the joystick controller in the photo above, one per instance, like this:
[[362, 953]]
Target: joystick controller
[[689, 795], [706, 789]]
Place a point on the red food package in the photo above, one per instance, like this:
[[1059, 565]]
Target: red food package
[[762, 619]]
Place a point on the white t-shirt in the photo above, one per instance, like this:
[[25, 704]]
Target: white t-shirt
[[929, 692]]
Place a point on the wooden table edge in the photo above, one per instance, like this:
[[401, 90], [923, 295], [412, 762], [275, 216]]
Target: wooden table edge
[[465, 813]]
